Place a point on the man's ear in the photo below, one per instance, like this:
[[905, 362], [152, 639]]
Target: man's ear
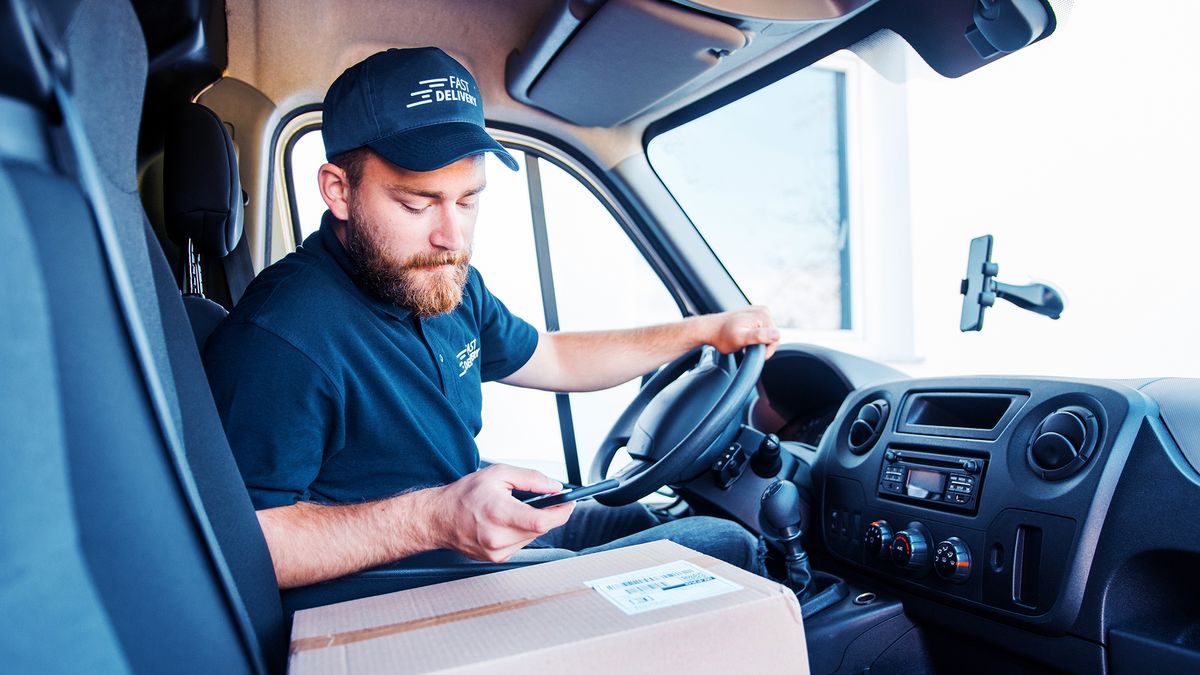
[[335, 190]]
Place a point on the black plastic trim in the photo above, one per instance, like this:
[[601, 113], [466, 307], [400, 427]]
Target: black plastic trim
[[289, 179], [270, 210]]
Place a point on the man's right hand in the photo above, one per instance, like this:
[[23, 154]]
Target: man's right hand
[[475, 515], [480, 518]]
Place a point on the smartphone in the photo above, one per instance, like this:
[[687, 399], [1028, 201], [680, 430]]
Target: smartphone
[[571, 493], [976, 285]]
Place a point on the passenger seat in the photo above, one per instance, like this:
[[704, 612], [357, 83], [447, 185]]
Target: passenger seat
[[202, 204]]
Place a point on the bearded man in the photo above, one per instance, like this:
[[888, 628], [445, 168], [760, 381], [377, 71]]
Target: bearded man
[[352, 420]]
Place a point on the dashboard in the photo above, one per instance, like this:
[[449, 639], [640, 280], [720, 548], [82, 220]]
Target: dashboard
[[1057, 509], [988, 493]]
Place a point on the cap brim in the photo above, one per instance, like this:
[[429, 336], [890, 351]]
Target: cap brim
[[437, 145]]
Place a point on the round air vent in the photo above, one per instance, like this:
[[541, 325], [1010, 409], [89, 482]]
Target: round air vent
[[1063, 442], [868, 425]]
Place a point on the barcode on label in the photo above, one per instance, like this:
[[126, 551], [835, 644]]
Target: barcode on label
[[662, 586]]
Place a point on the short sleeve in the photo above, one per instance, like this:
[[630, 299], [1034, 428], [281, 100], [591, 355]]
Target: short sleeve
[[281, 413], [506, 340]]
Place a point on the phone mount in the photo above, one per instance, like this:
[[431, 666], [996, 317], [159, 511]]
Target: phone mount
[[980, 289]]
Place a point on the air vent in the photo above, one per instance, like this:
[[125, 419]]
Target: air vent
[[868, 426], [1063, 442]]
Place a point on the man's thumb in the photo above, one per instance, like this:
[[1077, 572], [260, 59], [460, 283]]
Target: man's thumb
[[531, 481]]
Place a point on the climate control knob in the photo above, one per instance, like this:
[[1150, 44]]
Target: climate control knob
[[878, 538], [952, 560], [910, 549]]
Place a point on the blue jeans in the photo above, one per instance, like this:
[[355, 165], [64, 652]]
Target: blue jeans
[[594, 527]]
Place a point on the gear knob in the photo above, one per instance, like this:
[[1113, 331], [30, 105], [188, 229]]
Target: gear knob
[[780, 509], [779, 516]]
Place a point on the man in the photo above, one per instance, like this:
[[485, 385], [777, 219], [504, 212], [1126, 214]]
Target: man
[[337, 375]]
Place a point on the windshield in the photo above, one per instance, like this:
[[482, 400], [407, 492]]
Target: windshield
[[850, 207]]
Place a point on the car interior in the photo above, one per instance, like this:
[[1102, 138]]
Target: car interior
[[986, 524]]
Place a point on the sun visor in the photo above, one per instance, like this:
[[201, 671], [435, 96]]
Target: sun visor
[[605, 52]]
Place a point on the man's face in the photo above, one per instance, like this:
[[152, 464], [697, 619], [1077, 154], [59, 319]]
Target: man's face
[[409, 233]]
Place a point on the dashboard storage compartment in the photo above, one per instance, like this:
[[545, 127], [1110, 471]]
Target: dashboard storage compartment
[[660, 607], [960, 414]]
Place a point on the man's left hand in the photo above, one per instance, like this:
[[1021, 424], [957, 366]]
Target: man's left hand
[[740, 328]]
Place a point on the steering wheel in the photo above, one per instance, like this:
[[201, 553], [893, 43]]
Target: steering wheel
[[676, 425]]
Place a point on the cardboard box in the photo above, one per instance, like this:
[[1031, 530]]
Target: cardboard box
[[670, 610]]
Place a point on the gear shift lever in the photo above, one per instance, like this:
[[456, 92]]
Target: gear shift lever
[[779, 514]]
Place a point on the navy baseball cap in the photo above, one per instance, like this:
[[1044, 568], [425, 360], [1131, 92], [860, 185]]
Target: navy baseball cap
[[418, 108]]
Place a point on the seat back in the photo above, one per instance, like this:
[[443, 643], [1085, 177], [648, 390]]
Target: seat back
[[51, 616], [162, 523]]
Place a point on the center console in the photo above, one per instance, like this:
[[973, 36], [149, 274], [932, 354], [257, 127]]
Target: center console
[[989, 497]]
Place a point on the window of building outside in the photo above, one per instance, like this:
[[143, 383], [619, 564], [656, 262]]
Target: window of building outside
[[600, 281], [764, 180]]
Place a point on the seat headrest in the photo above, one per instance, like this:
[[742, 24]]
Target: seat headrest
[[202, 192]]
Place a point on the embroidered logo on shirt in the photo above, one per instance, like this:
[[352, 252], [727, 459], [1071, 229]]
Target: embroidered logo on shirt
[[466, 357]]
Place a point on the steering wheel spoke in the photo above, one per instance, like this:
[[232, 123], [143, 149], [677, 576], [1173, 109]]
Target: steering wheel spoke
[[676, 421], [711, 357], [728, 363], [632, 469]]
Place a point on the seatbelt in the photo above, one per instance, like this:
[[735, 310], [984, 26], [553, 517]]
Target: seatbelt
[[87, 173], [541, 241]]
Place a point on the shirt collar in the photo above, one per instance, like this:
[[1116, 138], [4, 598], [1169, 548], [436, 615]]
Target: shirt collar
[[326, 240]]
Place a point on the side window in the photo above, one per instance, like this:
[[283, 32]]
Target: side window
[[305, 154], [596, 277], [520, 426]]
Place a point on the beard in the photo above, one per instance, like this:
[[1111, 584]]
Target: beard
[[419, 283]]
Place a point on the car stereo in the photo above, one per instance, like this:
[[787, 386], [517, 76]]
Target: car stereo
[[931, 478]]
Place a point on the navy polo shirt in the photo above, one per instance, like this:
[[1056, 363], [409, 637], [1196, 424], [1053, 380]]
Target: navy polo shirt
[[330, 394]]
